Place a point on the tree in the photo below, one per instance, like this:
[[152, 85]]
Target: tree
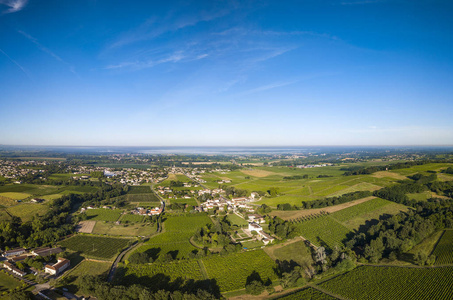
[[254, 288]]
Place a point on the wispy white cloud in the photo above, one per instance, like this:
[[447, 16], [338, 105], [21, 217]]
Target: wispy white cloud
[[47, 50], [14, 5], [267, 87], [16, 63]]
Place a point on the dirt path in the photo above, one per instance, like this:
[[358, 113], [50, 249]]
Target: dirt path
[[294, 214]]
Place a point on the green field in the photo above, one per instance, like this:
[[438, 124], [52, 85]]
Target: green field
[[26, 211], [297, 252], [103, 214], [141, 189], [108, 228], [231, 271], [368, 282], [8, 282], [190, 201], [65, 176], [444, 249], [94, 246], [15, 195], [4, 201], [161, 275], [87, 267], [308, 294], [175, 239], [422, 169], [421, 196], [132, 218], [236, 220]]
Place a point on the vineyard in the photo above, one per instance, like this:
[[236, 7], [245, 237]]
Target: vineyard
[[141, 189], [444, 249], [323, 230], [99, 247], [231, 271], [157, 275], [368, 282], [307, 293], [175, 239], [103, 214], [359, 209]]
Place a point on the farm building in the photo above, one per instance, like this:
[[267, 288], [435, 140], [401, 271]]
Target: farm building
[[13, 269], [59, 267], [13, 252], [46, 251]]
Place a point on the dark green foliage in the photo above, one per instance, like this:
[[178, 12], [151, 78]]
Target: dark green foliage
[[281, 228], [336, 200], [140, 258]]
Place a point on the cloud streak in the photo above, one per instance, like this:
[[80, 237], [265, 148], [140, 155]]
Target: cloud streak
[[14, 5], [47, 50], [16, 63]]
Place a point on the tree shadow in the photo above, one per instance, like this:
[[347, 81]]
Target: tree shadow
[[153, 253], [285, 266]]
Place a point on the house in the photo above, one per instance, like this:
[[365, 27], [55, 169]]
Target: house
[[15, 259], [255, 227], [265, 238], [13, 252], [14, 270], [37, 200], [46, 251], [59, 267]]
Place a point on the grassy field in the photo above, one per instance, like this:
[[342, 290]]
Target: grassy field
[[26, 211], [190, 201], [131, 218], [231, 271], [175, 239], [421, 196], [444, 249], [15, 195], [103, 214], [141, 189], [368, 282], [4, 201], [296, 251], [236, 220], [108, 228], [94, 246], [160, 276], [307, 293], [8, 282], [428, 244], [423, 169]]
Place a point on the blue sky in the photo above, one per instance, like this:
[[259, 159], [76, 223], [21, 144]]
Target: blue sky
[[234, 73]]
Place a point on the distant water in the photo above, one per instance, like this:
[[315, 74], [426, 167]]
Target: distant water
[[224, 150]]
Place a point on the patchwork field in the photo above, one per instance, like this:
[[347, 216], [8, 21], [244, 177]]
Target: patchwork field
[[131, 218], [4, 201], [231, 271], [174, 241], [86, 226], [15, 195], [367, 282], [444, 249], [94, 246], [141, 189], [88, 267]]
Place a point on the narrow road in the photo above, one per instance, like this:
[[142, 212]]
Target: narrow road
[[117, 260]]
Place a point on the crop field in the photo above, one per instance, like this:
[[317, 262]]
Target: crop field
[[88, 267], [367, 282], [4, 201], [175, 239], [307, 293], [422, 168], [65, 176], [231, 271], [26, 211], [359, 209], [421, 196], [4, 215], [132, 218], [15, 195], [8, 282], [362, 186], [153, 275], [444, 249], [141, 189], [190, 201], [150, 197], [140, 229], [103, 214], [99, 247], [323, 231], [296, 251], [51, 196]]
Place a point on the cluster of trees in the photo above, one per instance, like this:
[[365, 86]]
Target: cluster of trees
[[282, 228], [264, 209], [398, 234], [336, 200], [274, 191], [234, 192], [215, 235], [176, 183], [295, 177], [102, 290], [449, 170]]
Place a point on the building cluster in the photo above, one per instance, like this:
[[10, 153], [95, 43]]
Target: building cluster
[[16, 169], [223, 203], [19, 254], [255, 226], [147, 211], [312, 166]]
